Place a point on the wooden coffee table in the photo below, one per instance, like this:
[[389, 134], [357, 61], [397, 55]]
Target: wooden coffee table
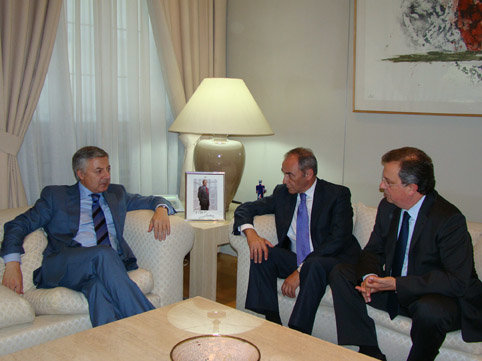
[[152, 335]]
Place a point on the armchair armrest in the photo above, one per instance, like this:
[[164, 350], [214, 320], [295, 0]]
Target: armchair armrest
[[163, 258], [266, 228]]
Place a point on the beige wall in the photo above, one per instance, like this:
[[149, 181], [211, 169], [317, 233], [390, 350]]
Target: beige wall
[[296, 58]]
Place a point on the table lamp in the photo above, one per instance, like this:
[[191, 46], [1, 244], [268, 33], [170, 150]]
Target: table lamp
[[218, 108]]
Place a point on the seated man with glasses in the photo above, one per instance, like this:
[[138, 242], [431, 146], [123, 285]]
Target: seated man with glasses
[[418, 263]]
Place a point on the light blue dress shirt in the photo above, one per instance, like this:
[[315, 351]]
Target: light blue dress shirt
[[413, 212], [86, 234]]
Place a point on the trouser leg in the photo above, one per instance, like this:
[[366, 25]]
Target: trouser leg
[[313, 282], [353, 325], [100, 275], [262, 294], [433, 315]]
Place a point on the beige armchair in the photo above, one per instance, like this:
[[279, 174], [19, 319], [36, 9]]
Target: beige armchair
[[42, 315]]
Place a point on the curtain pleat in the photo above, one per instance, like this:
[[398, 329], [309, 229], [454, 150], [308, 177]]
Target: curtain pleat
[[191, 42], [27, 31], [105, 87]]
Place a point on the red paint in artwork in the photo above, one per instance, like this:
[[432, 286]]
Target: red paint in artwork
[[469, 22]]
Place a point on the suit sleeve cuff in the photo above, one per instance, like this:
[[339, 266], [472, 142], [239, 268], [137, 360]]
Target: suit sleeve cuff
[[369, 274], [170, 210], [12, 257], [245, 226]]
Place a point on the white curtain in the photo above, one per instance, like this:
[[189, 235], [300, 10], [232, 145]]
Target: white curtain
[[104, 87]]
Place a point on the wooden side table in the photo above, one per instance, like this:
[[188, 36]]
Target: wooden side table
[[203, 257]]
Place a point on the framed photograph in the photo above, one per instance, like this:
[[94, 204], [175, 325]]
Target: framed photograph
[[205, 196], [417, 57]]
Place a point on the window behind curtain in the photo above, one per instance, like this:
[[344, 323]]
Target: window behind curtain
[[104, 87]]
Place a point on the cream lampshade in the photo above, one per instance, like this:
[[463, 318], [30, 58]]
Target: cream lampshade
[[221, 107]]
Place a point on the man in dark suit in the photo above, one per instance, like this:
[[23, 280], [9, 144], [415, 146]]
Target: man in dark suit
[[418, 263], [314, 227], [86, 249], [203, 195]]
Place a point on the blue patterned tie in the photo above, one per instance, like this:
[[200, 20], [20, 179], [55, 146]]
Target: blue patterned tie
[[100, 225], [302, 231]]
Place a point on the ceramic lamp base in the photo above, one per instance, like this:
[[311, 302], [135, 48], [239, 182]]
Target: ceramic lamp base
[[220, 154]]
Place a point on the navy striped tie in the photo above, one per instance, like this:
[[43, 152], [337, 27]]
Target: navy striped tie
[[100, 225]]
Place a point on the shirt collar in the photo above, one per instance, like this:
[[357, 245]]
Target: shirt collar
[[413, 211], [84, 191], [311, 191]]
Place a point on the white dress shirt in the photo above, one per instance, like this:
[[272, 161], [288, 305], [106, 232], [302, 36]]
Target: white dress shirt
[[292, 230]]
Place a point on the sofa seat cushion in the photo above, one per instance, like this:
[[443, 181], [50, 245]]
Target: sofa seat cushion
[[143, 279], [14, 309], [478, 257], [64, 301], [57, 301], [402, 324]]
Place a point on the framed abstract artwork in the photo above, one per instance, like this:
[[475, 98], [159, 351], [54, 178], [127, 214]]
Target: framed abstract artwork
[[418, 57], [205, 196]]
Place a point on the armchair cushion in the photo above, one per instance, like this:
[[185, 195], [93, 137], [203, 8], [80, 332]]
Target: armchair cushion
[[34, 244], [57, 301], [64, 301], [363, 226], [14, 309]]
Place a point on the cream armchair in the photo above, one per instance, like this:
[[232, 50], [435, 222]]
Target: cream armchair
[[42, 315]]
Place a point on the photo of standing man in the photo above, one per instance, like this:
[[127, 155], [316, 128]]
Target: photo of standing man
[[203, 196]]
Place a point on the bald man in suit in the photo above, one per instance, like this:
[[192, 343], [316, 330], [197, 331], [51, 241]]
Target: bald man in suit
[[328, 234]]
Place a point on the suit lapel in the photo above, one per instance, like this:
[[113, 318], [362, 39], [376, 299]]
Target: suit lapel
[[317, 206], [73, 208], [420, 223], [288, 212], [112, 203], [392, 239]]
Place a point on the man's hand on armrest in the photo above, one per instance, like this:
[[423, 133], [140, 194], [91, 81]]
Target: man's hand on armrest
[[258, 246], [12, 277], [160, 223]]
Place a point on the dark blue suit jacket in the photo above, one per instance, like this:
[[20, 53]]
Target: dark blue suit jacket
[[331, 218], [440, 260], [58, 213]]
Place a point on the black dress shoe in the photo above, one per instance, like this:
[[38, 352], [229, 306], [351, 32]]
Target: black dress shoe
[[373, 351], [273, 317]]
